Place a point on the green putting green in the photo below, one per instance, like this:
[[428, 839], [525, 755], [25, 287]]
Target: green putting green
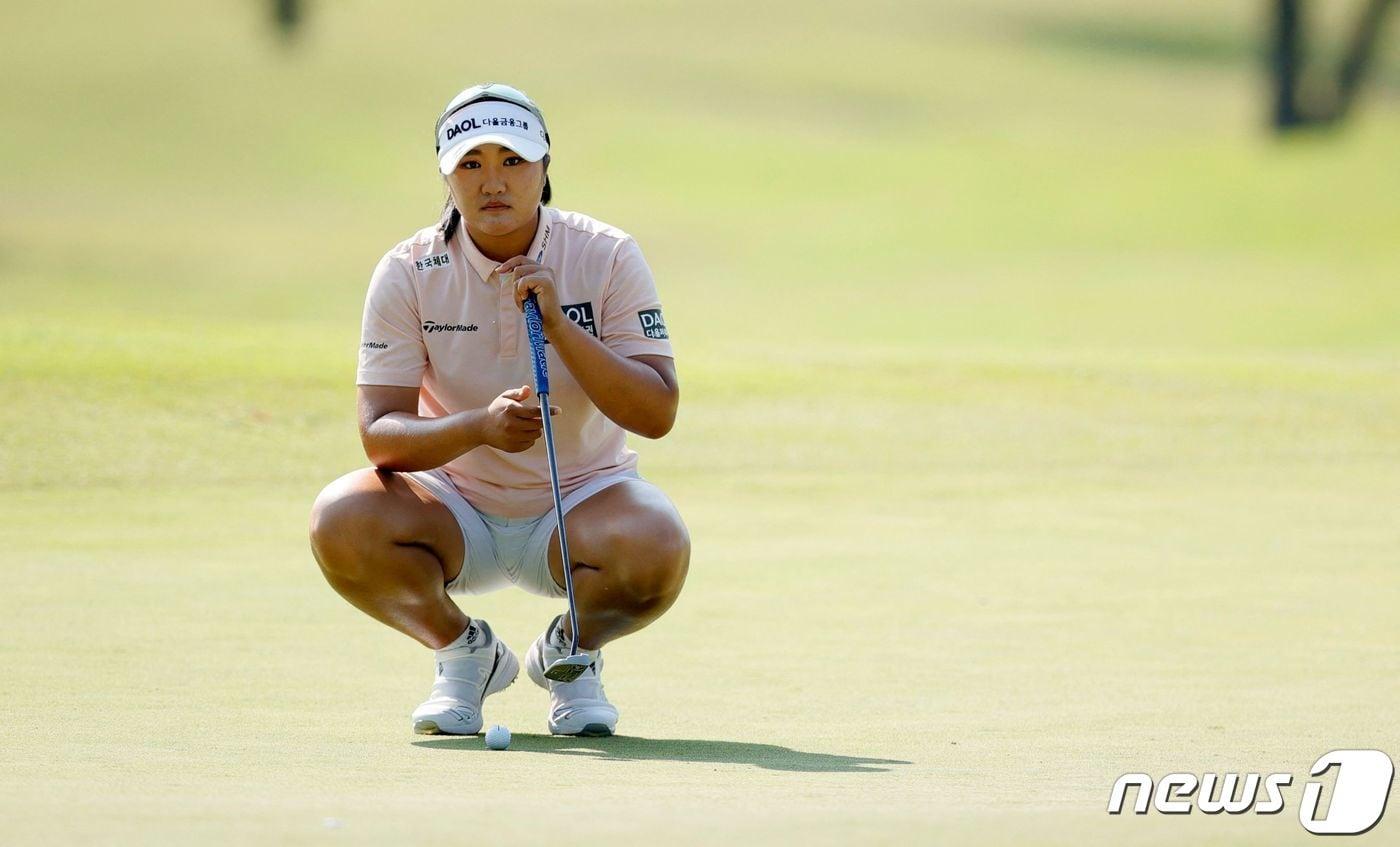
[[1040, 422]]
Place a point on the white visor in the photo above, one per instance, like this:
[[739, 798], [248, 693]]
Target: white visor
[[490, 122]]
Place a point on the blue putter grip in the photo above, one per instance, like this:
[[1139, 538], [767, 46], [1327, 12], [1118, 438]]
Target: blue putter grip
[[534, 328]]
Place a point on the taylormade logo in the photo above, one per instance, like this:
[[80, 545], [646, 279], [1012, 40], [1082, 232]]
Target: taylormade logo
[[1358, 796], [431, 327]]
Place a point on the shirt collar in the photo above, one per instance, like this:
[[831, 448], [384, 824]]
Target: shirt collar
[[485, 266]]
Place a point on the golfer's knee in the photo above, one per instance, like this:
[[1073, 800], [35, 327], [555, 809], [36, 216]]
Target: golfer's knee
[[653, 567], [344, 517]]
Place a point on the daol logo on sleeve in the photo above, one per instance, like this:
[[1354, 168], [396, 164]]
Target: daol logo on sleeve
[[652, 324]]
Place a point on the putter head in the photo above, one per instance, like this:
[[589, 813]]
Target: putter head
[[568, 668]]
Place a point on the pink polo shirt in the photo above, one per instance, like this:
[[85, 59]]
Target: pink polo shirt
[[439, 319]]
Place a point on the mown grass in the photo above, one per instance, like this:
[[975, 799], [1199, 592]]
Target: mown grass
[[1039, 423]]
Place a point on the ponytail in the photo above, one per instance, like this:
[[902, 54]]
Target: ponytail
[[450, 219]]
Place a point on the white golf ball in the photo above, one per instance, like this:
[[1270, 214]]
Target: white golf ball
[[498, 737]]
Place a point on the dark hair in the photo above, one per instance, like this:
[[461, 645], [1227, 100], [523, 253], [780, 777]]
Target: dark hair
[[451, 218]]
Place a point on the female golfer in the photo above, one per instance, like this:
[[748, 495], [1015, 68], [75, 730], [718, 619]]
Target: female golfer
[[459, 499]]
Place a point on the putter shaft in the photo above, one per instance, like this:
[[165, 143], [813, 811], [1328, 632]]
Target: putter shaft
[[559, 516]]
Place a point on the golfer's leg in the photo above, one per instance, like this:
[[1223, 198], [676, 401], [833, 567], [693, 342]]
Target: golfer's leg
[[631, 552], [389, 550]]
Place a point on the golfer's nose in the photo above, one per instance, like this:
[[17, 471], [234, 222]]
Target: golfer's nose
[[494, 183]]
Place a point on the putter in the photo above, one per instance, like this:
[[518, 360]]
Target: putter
[[572, 666]]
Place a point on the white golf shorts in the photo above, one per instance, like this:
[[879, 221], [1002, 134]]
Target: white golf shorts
[[502, 552]]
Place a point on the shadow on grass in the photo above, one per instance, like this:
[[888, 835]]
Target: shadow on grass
[[624, 748]]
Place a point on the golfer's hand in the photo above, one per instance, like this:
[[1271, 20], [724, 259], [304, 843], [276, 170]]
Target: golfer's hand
[[511, 425], [528, 277]]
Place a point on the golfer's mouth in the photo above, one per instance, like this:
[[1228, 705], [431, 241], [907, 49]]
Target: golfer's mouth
[[494, 206]]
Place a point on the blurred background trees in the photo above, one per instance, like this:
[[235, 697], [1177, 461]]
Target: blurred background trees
[[1309, 89], [286, 14], [1310, 84]]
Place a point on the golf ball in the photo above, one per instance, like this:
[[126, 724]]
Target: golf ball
[[498, 737]]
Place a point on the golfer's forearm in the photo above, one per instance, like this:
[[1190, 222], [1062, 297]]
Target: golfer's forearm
[[400, 441], [630, 393]]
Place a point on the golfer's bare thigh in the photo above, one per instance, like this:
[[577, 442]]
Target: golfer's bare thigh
[[388, 505]]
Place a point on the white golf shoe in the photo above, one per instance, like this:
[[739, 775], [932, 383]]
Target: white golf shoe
[[578, 707], [469, 669]]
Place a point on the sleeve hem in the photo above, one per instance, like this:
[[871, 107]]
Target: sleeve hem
[[398, 379], [641, 348]]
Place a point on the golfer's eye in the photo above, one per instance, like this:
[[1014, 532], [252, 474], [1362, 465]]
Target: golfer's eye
[[514, 160], [468, 164]]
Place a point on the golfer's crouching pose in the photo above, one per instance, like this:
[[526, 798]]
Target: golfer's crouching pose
[[459, 499]]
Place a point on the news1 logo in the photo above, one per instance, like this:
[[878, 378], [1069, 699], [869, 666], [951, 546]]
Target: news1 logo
[[1358, 797]]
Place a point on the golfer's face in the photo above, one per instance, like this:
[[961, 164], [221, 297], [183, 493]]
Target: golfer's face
[[496, 190]]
